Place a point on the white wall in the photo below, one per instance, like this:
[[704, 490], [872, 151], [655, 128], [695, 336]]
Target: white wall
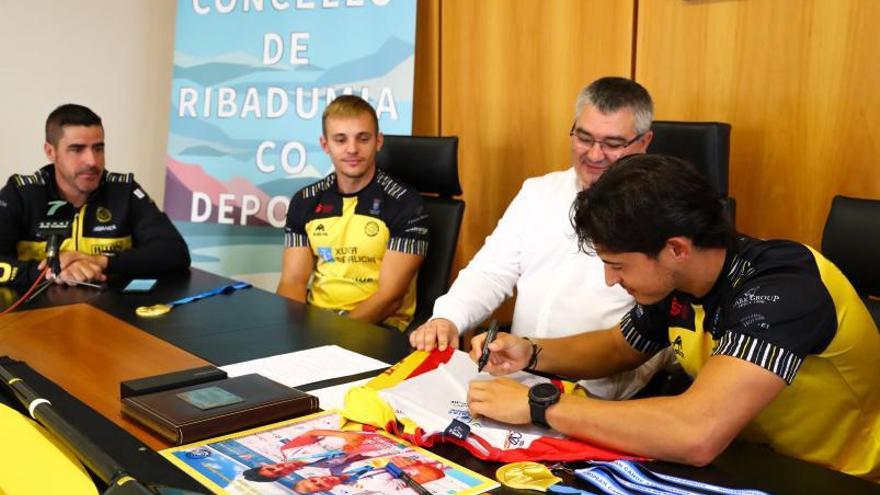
[[114, 56]]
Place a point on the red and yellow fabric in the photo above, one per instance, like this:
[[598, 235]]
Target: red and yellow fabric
[[366, 406]]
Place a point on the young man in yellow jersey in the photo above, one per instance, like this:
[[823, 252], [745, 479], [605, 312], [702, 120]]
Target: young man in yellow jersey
[[781, 348], [359, 235]]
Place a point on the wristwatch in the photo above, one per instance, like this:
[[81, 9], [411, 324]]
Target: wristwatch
[[542, 396]]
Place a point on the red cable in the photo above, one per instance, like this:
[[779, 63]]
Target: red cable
[[28, 293]]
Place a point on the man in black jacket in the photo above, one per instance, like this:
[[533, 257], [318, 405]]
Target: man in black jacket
[[114, 226]]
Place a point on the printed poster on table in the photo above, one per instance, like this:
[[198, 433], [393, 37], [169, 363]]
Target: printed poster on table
[[313, 455], [251, 80]]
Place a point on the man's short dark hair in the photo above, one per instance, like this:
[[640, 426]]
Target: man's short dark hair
[[349, 106], [69, 114], [611, 94], [643, 200]]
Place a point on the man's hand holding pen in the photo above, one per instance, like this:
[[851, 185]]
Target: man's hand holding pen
[[501, 399], [506, 353]]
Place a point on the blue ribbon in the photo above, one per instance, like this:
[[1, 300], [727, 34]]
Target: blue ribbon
[[223, 289], [620, 477]]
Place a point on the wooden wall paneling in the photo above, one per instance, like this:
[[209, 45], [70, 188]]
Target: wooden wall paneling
[[510, 71], [798, 82], [426, 86]]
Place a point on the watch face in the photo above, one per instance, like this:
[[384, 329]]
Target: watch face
[[543, 392]]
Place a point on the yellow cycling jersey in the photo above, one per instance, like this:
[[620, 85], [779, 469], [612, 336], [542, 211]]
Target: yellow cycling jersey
[[783, 306], [349, 235]]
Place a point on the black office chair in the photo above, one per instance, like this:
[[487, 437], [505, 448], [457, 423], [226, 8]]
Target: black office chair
[[851, 240], [705, 144], [430, 165]]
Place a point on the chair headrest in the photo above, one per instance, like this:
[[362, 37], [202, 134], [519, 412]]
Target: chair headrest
[[427, 163], [704, 144], [851, 239]]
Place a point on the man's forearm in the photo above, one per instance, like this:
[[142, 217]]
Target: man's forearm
[[376, 308], [156, 257], [587, 355], [663, 428], [693, 427], [296, 290]]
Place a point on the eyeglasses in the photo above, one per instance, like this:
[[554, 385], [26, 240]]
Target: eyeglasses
[[611, 145]]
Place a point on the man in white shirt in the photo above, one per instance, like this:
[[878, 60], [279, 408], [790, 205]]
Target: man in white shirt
[[560, 290]]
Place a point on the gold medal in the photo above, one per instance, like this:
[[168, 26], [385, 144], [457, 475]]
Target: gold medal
[[154, 310], [161, 309], [526, 475]]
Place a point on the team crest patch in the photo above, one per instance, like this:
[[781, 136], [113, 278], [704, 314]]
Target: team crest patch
[[371, 229], [377, 206], [103, 215]]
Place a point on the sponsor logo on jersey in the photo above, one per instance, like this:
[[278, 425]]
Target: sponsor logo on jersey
[[326, 254], [320, 230], [755, 320], [514, 439], [679, 310], [677, 347], [106, 249], [324, 208], [751, 297]]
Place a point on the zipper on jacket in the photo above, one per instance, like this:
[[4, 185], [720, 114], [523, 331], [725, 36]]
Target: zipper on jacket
[[76, 232]]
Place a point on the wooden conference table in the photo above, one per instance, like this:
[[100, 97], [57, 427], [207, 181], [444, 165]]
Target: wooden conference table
[[79, 343]]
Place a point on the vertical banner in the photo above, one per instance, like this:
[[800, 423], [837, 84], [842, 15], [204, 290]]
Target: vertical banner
[[251, 80]]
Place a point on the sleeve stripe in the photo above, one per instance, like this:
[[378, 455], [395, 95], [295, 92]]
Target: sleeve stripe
[[635, 339], [772, 358], [390, 186], [29, 180], [409, 246], [122, 178], [292, 239]]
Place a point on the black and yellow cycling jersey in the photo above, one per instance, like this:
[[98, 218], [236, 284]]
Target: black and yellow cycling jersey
[[782, 306], [349, 234], [118, 220]]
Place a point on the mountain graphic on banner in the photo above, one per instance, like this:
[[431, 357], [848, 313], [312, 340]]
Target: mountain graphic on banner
[[229, 67], [183, 179]]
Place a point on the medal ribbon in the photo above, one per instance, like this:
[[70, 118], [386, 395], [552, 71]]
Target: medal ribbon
[[161, 309], [623, 475]]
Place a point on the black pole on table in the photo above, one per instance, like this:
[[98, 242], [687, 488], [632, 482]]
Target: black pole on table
[[118, 481]]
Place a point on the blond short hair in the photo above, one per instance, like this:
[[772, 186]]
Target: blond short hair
[[348, 106]]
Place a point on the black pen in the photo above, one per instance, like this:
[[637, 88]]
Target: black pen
[[395, 471], [490, 336]]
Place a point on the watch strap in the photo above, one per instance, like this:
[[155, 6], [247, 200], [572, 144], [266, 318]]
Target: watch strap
[[538, 413]]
